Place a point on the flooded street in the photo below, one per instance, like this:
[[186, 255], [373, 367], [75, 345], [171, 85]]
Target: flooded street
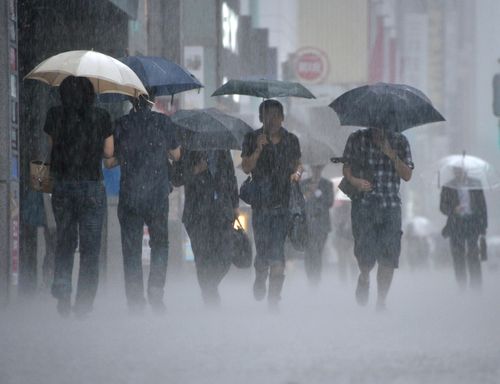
[[429, 333]]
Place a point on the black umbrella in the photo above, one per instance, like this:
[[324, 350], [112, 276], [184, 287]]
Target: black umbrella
[[202, 129], [263, 88], [388, 106]]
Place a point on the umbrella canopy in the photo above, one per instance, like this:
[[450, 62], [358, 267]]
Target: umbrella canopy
[[202, 129], [467, 172], [314, 151], [162, 76], [264, 88], [387, 106], [107, 74]]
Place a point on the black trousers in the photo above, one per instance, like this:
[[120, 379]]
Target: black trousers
[[211, 244], [132, 224], [465, 252]]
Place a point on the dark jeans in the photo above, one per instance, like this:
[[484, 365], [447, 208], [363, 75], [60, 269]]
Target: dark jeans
[[465, 252], [79, 209], [377, 234], [270, 230], [211, 244], [132, 230]]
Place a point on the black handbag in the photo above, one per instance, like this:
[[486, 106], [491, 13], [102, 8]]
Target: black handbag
[[249, 191], [298, 233], [359, 171], [241, 247]]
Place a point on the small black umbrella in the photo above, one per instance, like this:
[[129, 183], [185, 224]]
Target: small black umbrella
[[388, 106], [202, 129], [263, 88]]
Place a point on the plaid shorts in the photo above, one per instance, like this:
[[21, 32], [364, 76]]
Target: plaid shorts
[[377, 234]]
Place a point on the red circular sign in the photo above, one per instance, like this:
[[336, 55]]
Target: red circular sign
[[311, 65]]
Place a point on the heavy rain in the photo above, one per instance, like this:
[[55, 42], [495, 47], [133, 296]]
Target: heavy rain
[[249, 191]]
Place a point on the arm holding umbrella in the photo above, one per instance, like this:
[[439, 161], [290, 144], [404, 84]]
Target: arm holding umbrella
[[404, 171]]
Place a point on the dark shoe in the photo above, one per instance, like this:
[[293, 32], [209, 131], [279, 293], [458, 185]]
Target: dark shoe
[[362, 291], [64, 306]]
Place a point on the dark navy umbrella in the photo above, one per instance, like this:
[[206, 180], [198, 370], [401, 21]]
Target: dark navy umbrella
[[388, 106], [161, 76], [202, 129]]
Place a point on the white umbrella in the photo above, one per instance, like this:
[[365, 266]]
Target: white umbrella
[[478, 173], [107, 74]]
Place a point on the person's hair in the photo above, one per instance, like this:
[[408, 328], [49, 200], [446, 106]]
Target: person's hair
[[77, 92], [143, 101], [270, 104]]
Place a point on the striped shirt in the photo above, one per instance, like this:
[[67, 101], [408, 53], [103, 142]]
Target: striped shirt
[[386, 181]]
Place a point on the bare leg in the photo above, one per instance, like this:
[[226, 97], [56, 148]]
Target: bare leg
[[384, 280], [363, 287]]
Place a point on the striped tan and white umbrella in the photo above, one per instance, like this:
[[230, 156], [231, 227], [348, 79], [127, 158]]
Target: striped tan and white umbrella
[[107, 74]]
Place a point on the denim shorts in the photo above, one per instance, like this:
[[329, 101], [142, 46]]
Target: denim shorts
[[377, 234]]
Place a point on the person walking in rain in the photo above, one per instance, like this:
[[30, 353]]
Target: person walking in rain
[[80, 135], [462, 200], [144, 142], [272, 155], [376, 213], [210, 208], [318, 193]]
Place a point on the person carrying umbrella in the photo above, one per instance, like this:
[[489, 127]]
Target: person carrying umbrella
[[376, 212], [272, 155], [318, 193], [375, 161], [145, 140], [80, 135], [462, 200], [210, 208]]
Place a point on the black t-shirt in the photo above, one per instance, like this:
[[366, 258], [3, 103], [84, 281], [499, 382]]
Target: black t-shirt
[[142, 142], [275, 165], [77, 142]]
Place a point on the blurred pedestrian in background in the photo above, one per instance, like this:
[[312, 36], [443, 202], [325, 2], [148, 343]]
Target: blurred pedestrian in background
[[462, 200], [318, 193]]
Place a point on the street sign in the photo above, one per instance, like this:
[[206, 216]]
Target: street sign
[[311, 65]]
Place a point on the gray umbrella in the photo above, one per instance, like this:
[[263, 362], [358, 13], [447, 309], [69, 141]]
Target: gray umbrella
[[264, 88], [388, 106], [314, 151], [202, 129]]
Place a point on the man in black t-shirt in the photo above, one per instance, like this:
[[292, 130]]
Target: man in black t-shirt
[[272, 155], [144, 140]]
